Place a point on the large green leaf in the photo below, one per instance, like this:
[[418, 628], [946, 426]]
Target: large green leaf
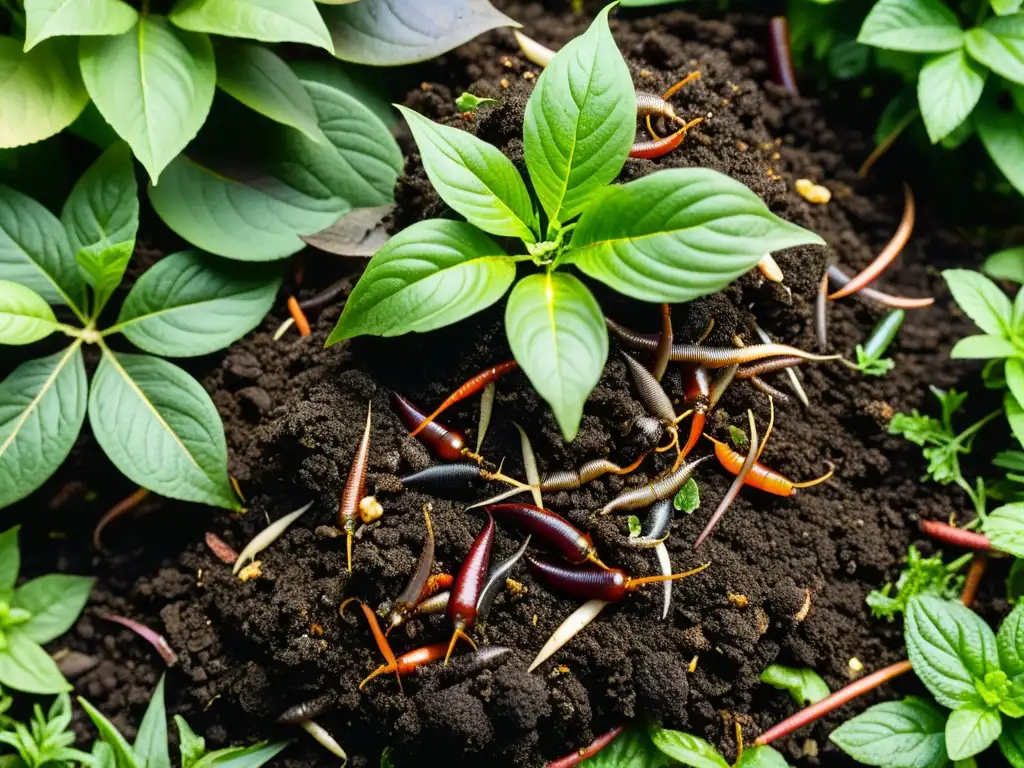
[[55, 602], [25, 316], [272, 21], [243, 757], [42, 408], [580, 122], [54, 18], [688, 749], [1004, 527], [407, 31], [10, 561], [1011, 742], [631, 749], [1010, 642], [151, 745], [429, 275], [918, 26], [24, 666], [970, 730], [160, 428], [372, 87], [948, 90], [41, 92], [190, 304], [896, 734], [1007, 264], [557, 333], [981, 300], [1002, 133], [474, 178], [153, 84], [982, 347], [261, 80], [999, 45], [1005, 7], [103, 206], [678, 234]]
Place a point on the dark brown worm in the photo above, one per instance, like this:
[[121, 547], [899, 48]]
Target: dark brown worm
[[763, 386], [840, 278], [567, 479], [326, 296], [305, 711], [665, 488], [496, 580], [767, 366]]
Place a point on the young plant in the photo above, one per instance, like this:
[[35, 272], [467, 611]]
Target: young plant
[[920, 576], [869, 354], [688, 498], [45, 741], [671, 236], [152, 419], [804, 685], [35, 613]]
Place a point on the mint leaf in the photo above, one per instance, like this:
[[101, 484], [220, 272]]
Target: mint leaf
[[55, 602], [53, 18], [761, 757], [896, 734], [580, 122], [804, 685], [632, 749], [950, 648], [1006, 265], [948, 90], [688, 498], [983, 347], [25, 317], [920, 576], [1004, 527], [687, 749], [1002, 133], [738, 437], [981, 300], [918, 26], [1011, 742], [999, 45], [678, 234], [970, 730], [272, 21]]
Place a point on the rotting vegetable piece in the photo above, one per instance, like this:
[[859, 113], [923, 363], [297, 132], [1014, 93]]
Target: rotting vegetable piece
[[468, 586], [355, 488], [471, 387], [559, 534], [446, 443], [665, 488], [610, 585], [414, 590]]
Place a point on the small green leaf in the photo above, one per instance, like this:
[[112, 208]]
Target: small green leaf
[[913, 729], [678, 234], [154, 85], [634, 526], [557, 333], [981, 300], [41, 92], [10, 561], [631, 749], [190, 304], [1015, 378], [918, 26], [1014, 415], [24, 666], [983, 348], [804, 685], [474, 178], [192, 747], [468, 102], [1010, 642], [761, 757], [1002, 133], [580, 122], [42, 409], [160, 428], [261, 80], [920, 576], [25, 316], [55, 602], [970, 730], [272, 21], [738, 437], [1004, 527], [243, 757], [948, 90], [688, 498], [950, 647], [1006, 7], [1011, 742], [999, 45], [54, 18], [430, 275], [123, 752], [687, 749], [151, 746], [103, 266]]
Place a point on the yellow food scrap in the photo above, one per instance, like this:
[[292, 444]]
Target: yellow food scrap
[[805, 608], [516, 588], [811, 192], [856, 666], [251, 571], [535, 619], [740, 601], [693, 665]]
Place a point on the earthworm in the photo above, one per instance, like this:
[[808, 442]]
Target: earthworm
[[794, 380], [413, 592], [737, 483], [840, 278], [449, 475], [151, 636], [123, 507], [782, 59], [301, 322], [821, 312], [446, 443], [305, 710], [652, 104], [468, 585], [665, 488], [496, 580], [609, 585], [554, 530], [434, 604], [655, 148], [569, 479], [766, 366], [486, 409], [223, 552], [378, 635], [656, 525], [355, 487], [722, 382], [583, 753], [470, 387], [763, 386], [407, 662], [760, 476], [660, 364], [958, 537]]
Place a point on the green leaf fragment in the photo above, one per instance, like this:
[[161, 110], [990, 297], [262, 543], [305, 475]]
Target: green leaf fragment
[[53, 18], [1002, 133], [24, 666], [54, 602], [633, 522], [468, 102], [999, 45], [1004, 527], [804, 685], [918, 26], [25, 316], [920, 576], [688, 498], [971, 730]]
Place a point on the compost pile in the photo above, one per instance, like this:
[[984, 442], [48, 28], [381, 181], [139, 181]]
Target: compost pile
[[788, 576]]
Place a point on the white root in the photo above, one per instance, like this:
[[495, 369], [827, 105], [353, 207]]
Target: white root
[[530, 462], [770, 268], [568, 629], [266, 537], [500, 497], [539, 54], [486, 407], [281, 329], [666, 570], [324, 739]]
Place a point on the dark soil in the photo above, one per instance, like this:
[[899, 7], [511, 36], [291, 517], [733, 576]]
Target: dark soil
[[294, 413]]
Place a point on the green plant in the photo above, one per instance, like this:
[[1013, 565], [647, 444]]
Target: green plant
[[869, 354], [45, 741], [656, 747], [688, 498], [35, 613], [920, 576], [804, 685], [155, 422]]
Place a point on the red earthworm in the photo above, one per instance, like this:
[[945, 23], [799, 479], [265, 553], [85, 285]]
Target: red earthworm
[[665, 488], [326, 296], [832, 702], [892, 249], [411, 595], [648, 104], [120, 509], [782, 60], [840, 278], [737, 483], [611, 585], [569, 479], [958, 537], [378, 635], [760, 476], [151, 636], [660, 364], [655, 148], [559, 534], [821, 313], [408, 662], [434, 604], [446, 476], [767, 366], [656, 525], [696, 428], [973, 581], [470, 387], [763, 386], [584, 753], [468, 585], [496, 580], [446, 443], [355, 488], [298, 316], [223, 552]]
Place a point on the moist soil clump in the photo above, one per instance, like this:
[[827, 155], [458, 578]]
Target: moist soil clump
[[788, 575]]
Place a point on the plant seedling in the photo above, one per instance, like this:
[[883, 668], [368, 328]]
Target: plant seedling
[[47, 740], [671, 236], [869, 355], [920, 576], [35, 613], [152, 419], [804, 685], [468, 102], [688, 498]]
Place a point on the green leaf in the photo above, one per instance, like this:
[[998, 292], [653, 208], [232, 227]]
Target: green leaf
[[761, 757], [123, 752], [103, 207], [24, 666], [633, 522], [244, 757], [738, 437], [918, 26], [54, 18], [981, 300], [1011, 742], [804, 685], [678, 234], [10, 561], [1004, 527], [982, 348], [55, 602], [631, 749], [42, 409], [999, 45], [580, 122], [1002, 133], [25, 316], [160, 428], [950, 647], [35, 252], [429, 275], [920, 576], [409, 31], [474, 178], [272, 21], [688, 498], [153, 84], [1015, 378], [970, 730], [948, 90], [151, 747], [687, 749], [192, 746], [1010, 642], [1014, 415], [896, 734], [468, 102], [261, 80], [103, 267], [41, 92], [557, 333], [370, 86], [190, 304], [1006, 7]]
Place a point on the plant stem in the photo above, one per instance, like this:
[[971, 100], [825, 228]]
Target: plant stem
[[973, 582]]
